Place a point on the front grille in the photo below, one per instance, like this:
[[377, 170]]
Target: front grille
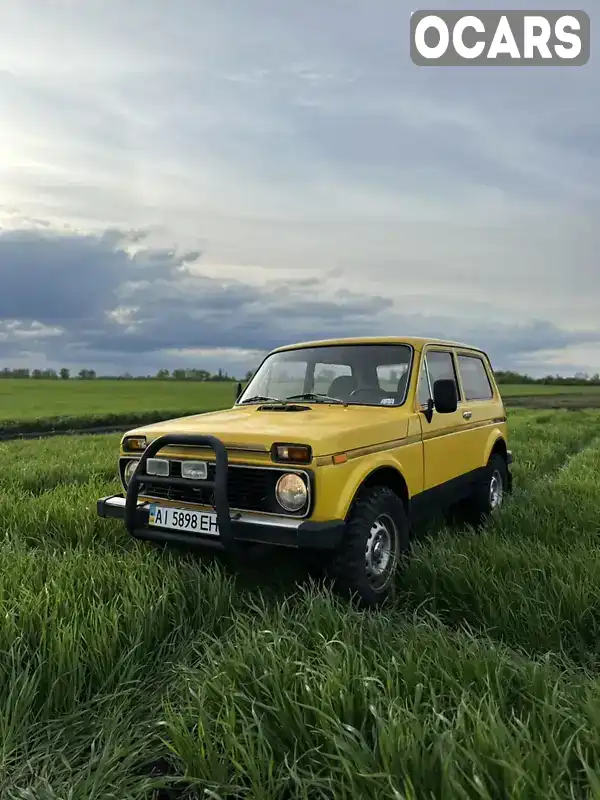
[[248, 489]]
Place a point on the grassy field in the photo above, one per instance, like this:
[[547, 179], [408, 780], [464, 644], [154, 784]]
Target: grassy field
[[124, 668], [40, 405], [541, 396], [43, 405], [537, 389]]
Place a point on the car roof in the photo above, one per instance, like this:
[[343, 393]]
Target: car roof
[[418, 342]]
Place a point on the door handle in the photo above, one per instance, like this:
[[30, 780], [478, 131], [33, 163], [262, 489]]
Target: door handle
[[467, 414]]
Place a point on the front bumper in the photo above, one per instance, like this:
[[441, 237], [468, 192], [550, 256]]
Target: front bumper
[[245, 527], [233, 528]]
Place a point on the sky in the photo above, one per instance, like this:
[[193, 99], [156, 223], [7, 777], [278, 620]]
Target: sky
[[192, 184]]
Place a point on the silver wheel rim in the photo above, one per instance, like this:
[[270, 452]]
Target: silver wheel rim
[[380, 552], [496, 490]]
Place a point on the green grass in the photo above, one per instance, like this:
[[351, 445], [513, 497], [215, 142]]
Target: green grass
[[42, 405], [541, 396], [527, 389], [30, 405], [119, 662]]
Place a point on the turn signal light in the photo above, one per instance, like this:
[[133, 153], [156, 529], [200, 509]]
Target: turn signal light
[[291, 453], [134, 443]]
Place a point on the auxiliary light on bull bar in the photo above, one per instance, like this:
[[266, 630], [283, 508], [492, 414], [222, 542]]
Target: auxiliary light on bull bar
[[157, 466], [218, 482], [194, 470]]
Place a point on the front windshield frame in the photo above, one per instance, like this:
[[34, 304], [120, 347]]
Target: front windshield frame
[[400, 344]]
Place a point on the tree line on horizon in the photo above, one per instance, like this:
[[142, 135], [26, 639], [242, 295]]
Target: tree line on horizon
[[65, 374], [502, 376]]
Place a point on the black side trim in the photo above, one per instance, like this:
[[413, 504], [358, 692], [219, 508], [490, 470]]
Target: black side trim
[[443, 496], [449, 493]]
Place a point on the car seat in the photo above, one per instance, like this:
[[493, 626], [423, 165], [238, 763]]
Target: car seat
[[341, 387], [401, 388]]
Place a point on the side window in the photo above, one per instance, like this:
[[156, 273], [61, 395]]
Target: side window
[[424, 393], [325, 374], [475, 381], [441, 366], [388, 376]]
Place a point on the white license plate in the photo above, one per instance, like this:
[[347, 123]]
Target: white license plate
[[181, 519]]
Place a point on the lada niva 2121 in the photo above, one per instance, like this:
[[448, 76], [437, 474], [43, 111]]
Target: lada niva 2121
[[334, 446]]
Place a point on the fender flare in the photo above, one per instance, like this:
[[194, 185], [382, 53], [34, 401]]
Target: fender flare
[[496, 441], [347, 499]]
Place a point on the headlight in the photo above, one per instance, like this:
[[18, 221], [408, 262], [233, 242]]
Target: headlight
[[291, 492], [129, 470]]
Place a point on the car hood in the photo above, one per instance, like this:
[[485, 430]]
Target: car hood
[[327, 429]]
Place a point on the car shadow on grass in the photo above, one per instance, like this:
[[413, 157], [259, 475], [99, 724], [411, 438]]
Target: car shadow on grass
[[278, 573]]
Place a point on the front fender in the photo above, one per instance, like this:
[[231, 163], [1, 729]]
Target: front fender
[[337, 484]]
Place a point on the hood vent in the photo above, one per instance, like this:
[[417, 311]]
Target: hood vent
[[288, 407]]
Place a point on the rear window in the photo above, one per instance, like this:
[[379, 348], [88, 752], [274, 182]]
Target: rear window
[[475, 381]]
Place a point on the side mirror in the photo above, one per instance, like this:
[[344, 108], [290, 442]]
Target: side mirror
[[445, 396], [238, 391]]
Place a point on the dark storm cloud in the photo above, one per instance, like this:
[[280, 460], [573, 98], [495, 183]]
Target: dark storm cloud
[[59, 279], [106, 300], [86, 299]]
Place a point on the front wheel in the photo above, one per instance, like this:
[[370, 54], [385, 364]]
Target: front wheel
[[375, 543]]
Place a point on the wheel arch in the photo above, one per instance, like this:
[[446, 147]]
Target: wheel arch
[[384, 475], [496, 445], [500, 448]]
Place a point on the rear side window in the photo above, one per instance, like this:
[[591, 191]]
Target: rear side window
[[475, 381]]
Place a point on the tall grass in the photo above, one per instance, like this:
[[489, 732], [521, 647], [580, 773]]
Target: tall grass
[[124, 668]]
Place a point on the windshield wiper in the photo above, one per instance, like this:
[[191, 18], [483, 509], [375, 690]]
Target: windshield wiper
[[262, 398], [318, 398]]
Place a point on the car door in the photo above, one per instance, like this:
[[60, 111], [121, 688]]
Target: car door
[[445, 457], [480, 405]]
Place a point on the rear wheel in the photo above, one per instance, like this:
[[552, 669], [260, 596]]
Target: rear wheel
[[375, 544], [489, 491]]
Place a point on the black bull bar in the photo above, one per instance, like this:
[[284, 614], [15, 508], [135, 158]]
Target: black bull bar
[[218, 485]]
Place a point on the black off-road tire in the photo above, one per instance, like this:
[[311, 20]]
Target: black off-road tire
[[349, 567], [479, 505]]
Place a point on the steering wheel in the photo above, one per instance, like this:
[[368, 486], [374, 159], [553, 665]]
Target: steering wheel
[[365, 390]]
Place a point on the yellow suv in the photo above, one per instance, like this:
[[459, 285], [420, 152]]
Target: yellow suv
[[335, 446]]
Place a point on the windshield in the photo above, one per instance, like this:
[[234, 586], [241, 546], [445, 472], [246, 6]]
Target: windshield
[[357, 374]]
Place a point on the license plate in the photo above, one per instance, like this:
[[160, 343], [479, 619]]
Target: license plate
[[181, 519]]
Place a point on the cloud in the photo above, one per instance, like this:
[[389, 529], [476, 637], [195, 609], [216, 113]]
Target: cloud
[[112, 299], [205, 176], [109, 294]]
